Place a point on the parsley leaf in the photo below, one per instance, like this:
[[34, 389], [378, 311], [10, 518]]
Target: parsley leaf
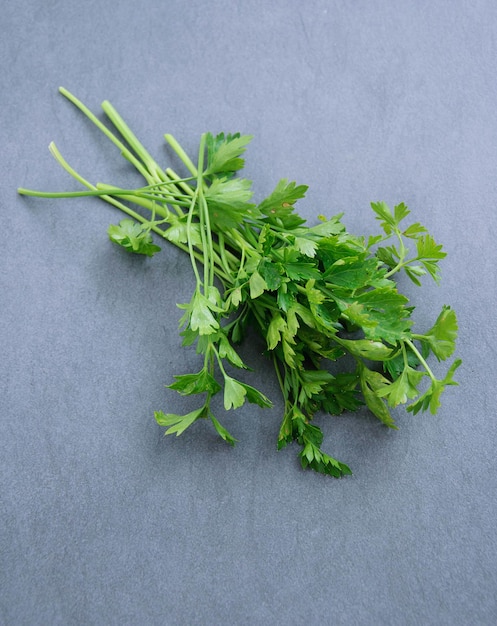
[[403, 388], [199, 314], [222, 432], [133, 237], [429, 253], [234, 393], [228, 202], [431, 398], [278, 206], [441, 338], [189, 384], [224, 152], [178, 423], [372, 384]]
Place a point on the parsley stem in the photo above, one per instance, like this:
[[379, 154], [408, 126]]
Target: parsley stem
[[190, 243], [219, 360], [250, 235], [241, 266], [402, 255], [174, 182], [203, 235], [399, 266], [181, 182], [150, 202], [278, 374], [124, 150], [404, 355], [132, 140], [181, 153], [421, 359], [136, 196], [180, 185], [203, 211], [243, 244], [222, 252], [60, 159]]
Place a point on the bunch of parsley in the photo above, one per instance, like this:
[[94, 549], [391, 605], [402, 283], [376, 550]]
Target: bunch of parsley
[[316, 294]]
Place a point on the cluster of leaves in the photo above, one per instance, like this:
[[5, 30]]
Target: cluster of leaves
[[317, 294]]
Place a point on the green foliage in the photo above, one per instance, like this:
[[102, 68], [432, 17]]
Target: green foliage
[[319, 296], [189, 384], [224, 153], [178, 423], [200, 314], [441, 338], [428, 252], [133, 237], [228, 202], [278, 206]]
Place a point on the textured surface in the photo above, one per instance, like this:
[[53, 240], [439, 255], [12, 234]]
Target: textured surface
[[106, 522]]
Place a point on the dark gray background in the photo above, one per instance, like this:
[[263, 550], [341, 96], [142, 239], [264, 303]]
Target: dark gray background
[[105, 521]]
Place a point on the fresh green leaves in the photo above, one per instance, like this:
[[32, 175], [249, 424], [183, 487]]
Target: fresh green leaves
[[278, 206], [402, 388], [373, 384], [200, 314], [228, 202], [236, 392], [389, 222], [296, 427], [202, 382], [133, 237], [428, 252], [430, 399], [441, 338], [333, 323], [177, 424], [224, 153]]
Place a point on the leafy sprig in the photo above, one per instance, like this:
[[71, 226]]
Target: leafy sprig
[[316, 294], [396, 257]]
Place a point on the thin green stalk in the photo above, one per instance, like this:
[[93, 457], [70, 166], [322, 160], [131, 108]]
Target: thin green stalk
[[180, 185], [181, 153], [421, 359], [402, 256], [208, 233], [205, 249], [220, 362], [181, 182], [203, 216], [242, 243], [174, 184], [276, 365], [209, 237], [132, 140], [222, 252], [70, 194], [250, 235], [124, 150], [399, 266], [190, 244], [145, 200], [173, 181], [241, 266], [60, 159]]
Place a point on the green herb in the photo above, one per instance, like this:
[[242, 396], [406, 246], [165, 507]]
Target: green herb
[[318, 295]]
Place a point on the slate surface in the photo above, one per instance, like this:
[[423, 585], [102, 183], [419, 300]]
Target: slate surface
[[104, 521]]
